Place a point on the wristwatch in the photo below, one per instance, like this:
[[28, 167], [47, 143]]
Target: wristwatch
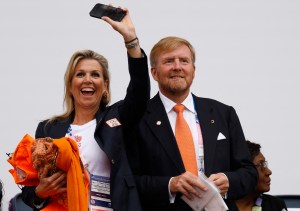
[[39, 203]]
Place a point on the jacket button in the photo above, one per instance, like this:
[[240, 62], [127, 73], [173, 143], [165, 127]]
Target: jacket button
[[112, 161]]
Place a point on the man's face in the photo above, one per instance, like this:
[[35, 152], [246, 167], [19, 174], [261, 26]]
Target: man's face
[[174, 71], [264, 180]]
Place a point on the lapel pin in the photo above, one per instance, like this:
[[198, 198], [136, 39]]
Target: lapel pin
[[158, 123], [212, 121], [113, 122]]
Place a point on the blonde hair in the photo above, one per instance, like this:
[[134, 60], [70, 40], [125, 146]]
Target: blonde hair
[[168, 44], [68, 98]]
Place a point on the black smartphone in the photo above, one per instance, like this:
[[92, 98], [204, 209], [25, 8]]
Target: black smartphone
[[100, 10]]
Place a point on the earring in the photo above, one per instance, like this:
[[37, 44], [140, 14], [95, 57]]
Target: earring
[[105, 94]]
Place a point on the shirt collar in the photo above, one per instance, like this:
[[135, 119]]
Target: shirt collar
[[169, 104]]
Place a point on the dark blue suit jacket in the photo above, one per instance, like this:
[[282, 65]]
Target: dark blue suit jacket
[[156, 157], [124, 195]]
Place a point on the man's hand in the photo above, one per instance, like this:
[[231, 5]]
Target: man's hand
[[221, 181], [185, 184]]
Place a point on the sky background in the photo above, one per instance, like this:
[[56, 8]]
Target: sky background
[[248, 55]]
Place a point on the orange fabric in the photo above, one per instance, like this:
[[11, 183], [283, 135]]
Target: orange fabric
[[185, 141], [54, 206], [23, 172], [67, 160]]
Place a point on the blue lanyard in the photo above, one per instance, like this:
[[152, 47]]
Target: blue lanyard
[[257, 206], [196, 115]]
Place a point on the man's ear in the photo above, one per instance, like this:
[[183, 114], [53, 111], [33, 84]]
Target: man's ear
[[154, 73], [194, 72]]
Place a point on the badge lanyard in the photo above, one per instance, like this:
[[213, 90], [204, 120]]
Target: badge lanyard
[[200, 154], [99, 193]]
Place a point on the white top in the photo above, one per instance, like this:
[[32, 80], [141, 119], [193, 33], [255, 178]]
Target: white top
[[93, 158], [95, 162]]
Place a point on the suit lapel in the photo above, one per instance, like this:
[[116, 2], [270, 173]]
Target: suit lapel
[[59, 129], [159, 124], [209, 131]]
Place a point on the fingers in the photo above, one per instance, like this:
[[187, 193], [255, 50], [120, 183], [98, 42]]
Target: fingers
[[187, 184], [125, 27], [221, 181], [52, 185]]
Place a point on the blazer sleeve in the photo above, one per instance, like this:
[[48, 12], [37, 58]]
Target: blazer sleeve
[[242, 175], [152, 179], [137, 94]]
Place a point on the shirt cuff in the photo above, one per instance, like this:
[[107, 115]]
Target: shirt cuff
[[225, 195], [172, 196]]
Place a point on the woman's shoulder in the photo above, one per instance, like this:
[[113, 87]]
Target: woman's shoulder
[[270, 197], [273, 200], [51, 122]]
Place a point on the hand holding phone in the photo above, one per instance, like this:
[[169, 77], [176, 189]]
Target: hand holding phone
[[100, 10], [121, 22]]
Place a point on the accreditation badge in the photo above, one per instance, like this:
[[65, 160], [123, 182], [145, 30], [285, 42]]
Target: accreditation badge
[[100, 199]]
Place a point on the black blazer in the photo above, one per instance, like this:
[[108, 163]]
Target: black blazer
[[269, 203], [156, 157], [124, 195]]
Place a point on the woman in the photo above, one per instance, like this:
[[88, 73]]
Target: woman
[[99, 130], [257, 200]]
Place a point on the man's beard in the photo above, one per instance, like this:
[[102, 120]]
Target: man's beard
[[177, 88]]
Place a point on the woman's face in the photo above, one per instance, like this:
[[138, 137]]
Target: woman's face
[[88, 85], [264, 180]]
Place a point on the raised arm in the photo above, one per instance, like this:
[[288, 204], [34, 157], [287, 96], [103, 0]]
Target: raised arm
[[127, 30], [138, 90]]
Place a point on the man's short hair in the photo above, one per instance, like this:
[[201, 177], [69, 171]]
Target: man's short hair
[[168, 44]]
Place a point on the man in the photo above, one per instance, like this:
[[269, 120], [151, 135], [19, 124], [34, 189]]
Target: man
[[219, 147], [257, 198]]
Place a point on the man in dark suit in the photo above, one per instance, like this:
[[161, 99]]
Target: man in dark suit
[[219, 143]]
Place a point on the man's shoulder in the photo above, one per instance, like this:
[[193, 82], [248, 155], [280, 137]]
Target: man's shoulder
[[210, 101]]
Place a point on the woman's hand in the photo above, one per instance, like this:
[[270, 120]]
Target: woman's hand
[[126, 28], [57, 183]]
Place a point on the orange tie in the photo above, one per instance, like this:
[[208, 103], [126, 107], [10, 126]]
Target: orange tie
[[185, 141]]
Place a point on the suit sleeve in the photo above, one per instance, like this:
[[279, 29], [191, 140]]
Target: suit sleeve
[[138, 92], [242, 175], [152, 187]]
